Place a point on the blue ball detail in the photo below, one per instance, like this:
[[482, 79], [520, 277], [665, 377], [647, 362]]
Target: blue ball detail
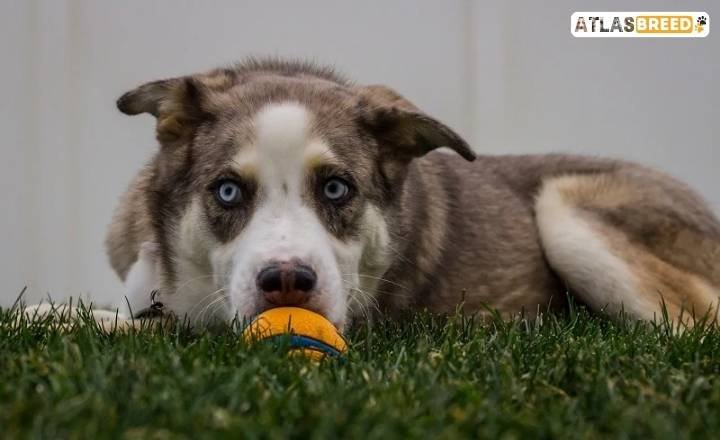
[[299, 341]]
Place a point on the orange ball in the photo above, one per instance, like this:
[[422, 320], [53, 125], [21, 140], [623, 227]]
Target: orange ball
[[309, 333]]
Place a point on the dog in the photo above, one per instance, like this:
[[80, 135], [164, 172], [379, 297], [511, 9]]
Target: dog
[[281, 183]]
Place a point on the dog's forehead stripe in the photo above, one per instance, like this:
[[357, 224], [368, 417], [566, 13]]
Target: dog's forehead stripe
[[284, 148], [282, 128]]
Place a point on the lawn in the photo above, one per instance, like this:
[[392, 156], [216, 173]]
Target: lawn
[[570, 376]]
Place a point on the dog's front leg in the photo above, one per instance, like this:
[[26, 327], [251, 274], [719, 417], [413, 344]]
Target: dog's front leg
[[140, 284]]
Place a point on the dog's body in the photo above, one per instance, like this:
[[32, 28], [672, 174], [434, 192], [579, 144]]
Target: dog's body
[[342, 211]]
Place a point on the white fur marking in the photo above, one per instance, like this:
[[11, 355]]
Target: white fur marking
[[142, 279], [580, 256], [283, 226], [281, 138]]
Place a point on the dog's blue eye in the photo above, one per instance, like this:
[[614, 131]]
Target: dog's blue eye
[[336, 189], [228, 193]]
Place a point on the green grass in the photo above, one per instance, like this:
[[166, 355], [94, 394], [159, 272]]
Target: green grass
[[572, 376]]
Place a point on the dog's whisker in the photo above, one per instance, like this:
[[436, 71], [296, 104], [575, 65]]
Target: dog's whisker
[[205, 298], [408, 294], [379, 279], [367, 302], [397, 252], [364, 310], [186, 282], [211, 308], [402, 257], [370, 299]]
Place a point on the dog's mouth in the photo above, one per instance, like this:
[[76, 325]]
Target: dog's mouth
[[309, 305]]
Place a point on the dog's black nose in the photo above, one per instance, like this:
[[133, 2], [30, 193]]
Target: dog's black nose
[[286, 283], [305, 278], [270, 279]]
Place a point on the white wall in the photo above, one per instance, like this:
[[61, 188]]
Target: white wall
[[650, 100], [507, 75]]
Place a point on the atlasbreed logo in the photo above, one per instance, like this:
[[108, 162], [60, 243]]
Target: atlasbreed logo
[[640, 24]]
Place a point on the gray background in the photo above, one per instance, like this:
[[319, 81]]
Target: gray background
[[507, 75]]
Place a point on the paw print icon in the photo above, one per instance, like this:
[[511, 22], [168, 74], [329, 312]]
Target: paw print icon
[[702, 20]]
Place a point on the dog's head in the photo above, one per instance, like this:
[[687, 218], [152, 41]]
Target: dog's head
[[275, 184]]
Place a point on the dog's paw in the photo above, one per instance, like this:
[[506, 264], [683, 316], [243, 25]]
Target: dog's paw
[[65, 316], [142, 279]]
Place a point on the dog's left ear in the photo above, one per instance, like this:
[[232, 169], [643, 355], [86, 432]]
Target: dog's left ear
[[401, 129]]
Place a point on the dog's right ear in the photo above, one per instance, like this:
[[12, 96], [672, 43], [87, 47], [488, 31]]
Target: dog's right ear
[[402, 130], [177, 103]]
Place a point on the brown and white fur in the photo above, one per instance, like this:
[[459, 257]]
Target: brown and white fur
[[420, 229]]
